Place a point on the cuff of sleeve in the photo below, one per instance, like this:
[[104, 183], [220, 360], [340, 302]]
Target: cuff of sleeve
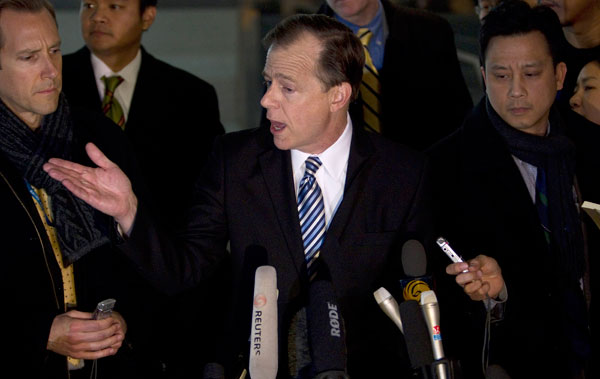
[[496, 306]]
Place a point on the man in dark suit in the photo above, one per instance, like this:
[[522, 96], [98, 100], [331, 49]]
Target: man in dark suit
[[170, 117], [423, 95], [160, 102], [507, 192], [370, 203]]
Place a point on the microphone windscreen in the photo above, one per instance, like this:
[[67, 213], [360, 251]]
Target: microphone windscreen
[[414, 260], [263, 338], [326, 334], [417, 339]]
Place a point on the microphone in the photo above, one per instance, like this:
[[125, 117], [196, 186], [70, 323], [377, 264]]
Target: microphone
[[263, 338], [326, 333], [389, 306], [414, 263], [431, 314], [418, 343]]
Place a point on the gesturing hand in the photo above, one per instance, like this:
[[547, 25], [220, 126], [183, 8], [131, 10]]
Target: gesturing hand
[[105, 188]]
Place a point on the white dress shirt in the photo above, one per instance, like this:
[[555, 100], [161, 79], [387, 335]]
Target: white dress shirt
[[331, 176]]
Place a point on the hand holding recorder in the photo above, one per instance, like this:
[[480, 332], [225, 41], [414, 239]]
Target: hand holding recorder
[[480, 277], [80, 335]]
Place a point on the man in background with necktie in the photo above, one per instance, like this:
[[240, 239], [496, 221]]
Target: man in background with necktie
[[313, 192], [169, 116], [413, 91]]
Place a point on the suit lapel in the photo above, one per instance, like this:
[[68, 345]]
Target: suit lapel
[[276, 168], [359, 161], [489, 162], [139, 98], [84, 80]]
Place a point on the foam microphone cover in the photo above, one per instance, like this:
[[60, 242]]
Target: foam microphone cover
[[414, 263], [414, 259], [416, 335], [263, 338], [326, 335]]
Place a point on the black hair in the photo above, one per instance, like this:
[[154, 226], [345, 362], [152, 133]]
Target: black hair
[[516, 17]]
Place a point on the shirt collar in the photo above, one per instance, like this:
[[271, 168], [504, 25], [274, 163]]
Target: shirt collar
[[334, 158], [129, 73]]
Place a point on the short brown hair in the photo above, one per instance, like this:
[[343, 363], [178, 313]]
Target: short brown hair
[[30, 6], [342, 56]]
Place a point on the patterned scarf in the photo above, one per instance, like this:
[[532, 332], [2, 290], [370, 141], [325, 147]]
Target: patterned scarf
[[555, 154], [77, 224]]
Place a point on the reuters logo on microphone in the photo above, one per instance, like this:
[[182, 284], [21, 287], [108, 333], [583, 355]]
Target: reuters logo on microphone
[[260, 301], [413, 290]]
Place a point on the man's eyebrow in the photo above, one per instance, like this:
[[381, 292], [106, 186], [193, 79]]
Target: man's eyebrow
[[37, 50], [28, 51], [497, 66], [533, 64], [277, 76], [586, 79]]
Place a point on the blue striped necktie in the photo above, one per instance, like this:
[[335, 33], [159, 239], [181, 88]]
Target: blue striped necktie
[[311, 211]]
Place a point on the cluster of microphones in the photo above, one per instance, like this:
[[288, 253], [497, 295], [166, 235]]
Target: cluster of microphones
[[417, 317], [325, 326]]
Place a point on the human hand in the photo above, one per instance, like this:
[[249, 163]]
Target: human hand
[[483, 278], [76, 335], [105, 188]]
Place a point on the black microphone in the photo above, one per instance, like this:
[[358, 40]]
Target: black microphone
[[414, 263], [326, 334], [263, 339], [416, 335]]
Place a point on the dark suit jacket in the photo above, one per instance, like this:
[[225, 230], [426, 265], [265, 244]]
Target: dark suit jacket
[[424, 96], [482, 206], [247, 197], [172, 123]]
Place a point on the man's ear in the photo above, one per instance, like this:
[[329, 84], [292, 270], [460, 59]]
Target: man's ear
[[339, 96], [560, 71], [148, 17]]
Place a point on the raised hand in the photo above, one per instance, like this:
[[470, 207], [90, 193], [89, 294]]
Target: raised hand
[[105, 187]]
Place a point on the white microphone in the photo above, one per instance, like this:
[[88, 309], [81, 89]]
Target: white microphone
[[263, 338], [389, 306], [431, 313]]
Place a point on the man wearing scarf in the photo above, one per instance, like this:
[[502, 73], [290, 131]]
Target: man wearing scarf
[[57, 256], [507, 200]]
